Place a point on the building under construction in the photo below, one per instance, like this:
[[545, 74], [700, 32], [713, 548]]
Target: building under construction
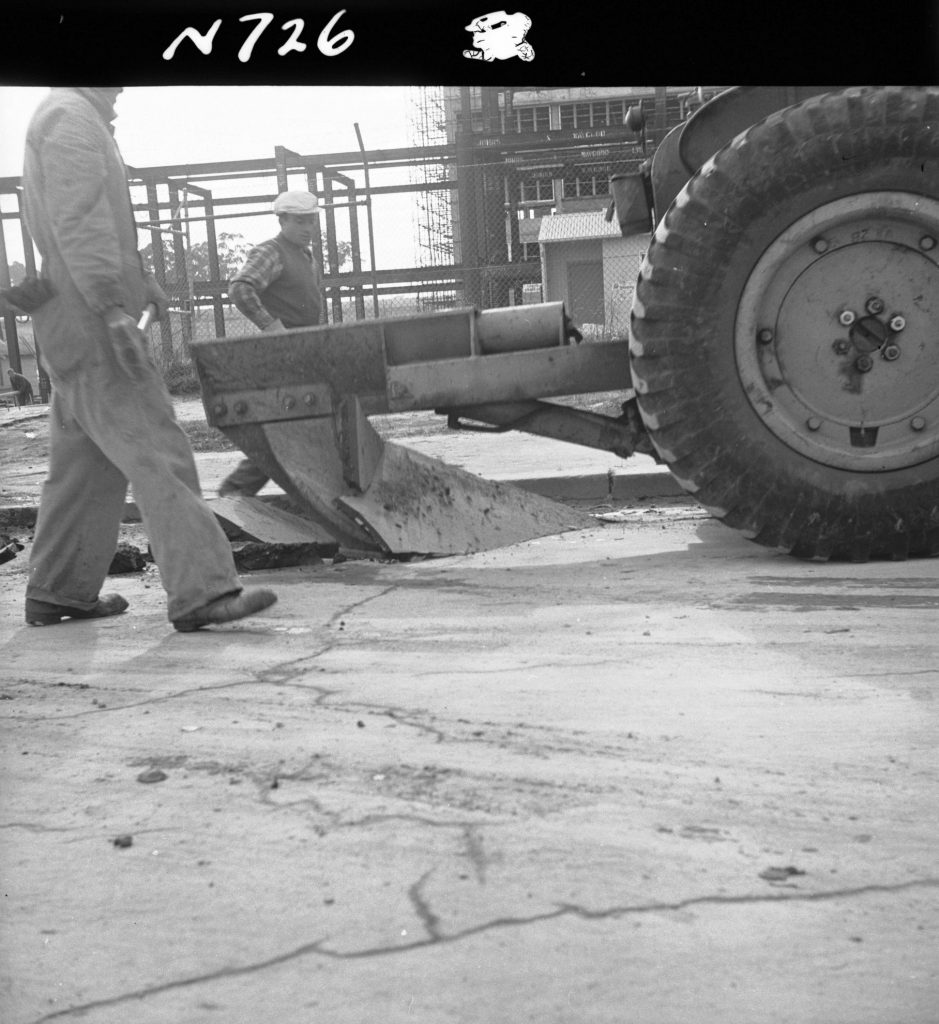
[[522, 155]]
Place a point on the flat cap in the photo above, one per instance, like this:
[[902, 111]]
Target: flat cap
[[295, 202]]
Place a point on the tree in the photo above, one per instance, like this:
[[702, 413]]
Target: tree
[[231, 248], [344, 251]]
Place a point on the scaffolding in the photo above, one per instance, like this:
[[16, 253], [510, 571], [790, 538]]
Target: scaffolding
[[432, 212]]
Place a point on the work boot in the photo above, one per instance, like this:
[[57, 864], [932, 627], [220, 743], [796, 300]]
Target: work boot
[[227, 608], [44, 613], [230, 491], [245, 480]]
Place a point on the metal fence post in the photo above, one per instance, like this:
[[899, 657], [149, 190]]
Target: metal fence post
[[368, 215], [29, 258], [9, 319], [159, 262]]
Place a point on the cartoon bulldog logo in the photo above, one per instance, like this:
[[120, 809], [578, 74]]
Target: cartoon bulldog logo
[[499, 36]]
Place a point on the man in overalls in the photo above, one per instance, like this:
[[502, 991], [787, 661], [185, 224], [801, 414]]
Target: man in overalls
[[278, 287], [111, 420]]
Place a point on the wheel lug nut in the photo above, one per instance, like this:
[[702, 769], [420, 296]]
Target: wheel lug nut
[[864, 364], [764, 336], [241, 408], [846, 318], [927, 242], [840, 346], [897, 323], [813, 423], [917, 423], [891, 352], [820, 244], [874, 306]]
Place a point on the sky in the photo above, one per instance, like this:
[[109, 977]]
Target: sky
[[195, 124], [161, 125]]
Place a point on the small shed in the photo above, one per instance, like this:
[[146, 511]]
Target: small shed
[[588, 265]]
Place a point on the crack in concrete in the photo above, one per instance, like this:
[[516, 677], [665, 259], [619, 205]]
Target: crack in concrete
[[30, 827], [475, 852], [810, 694], [313, 770], [421, 907], [359, 604], [278, 675], [893, 672], [285, 672], [402, 717], [436, 937], [531, 740], [335, 819], [410, 783], [522, 666], [381, 819], [150, 701]]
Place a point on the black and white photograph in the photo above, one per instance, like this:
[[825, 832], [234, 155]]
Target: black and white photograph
[[469, 519]]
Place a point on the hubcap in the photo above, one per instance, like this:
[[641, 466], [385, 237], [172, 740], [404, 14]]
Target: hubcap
[[837, 333]]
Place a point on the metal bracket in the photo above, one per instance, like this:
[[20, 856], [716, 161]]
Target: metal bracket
[[265, 405]]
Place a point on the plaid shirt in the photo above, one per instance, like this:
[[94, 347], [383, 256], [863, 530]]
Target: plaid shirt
[[262, 267]]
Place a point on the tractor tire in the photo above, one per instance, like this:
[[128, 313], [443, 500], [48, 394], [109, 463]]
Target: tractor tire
[[785, 329]]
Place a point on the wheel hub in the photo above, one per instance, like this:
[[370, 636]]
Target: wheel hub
[[836, 335], [869, 334]]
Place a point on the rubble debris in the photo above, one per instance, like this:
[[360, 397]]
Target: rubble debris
[[127, 558], [122, 842], [9, 546], [255, 555], [18, 517], [773, 874], [263, 521], [152, 775]]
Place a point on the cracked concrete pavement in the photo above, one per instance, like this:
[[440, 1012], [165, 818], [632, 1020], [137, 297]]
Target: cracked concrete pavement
[[647, 772]]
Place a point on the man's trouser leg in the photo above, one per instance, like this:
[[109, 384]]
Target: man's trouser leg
[[245, 478], [79, 515], [135, 428]]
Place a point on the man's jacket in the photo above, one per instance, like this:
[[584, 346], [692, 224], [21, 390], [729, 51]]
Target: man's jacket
[[78, 211]]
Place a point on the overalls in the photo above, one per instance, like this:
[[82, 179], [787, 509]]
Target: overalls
[[105, 430]]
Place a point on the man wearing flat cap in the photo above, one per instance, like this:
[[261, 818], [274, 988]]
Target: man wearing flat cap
[[278, 287]]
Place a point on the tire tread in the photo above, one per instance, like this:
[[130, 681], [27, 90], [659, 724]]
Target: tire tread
[[670, 352]]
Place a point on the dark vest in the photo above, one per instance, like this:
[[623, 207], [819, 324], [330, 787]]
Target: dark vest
[[295, 298]]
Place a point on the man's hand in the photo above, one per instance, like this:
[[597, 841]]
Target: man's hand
[[274, 325], [130, 343], [157, 296], [27, 296]]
